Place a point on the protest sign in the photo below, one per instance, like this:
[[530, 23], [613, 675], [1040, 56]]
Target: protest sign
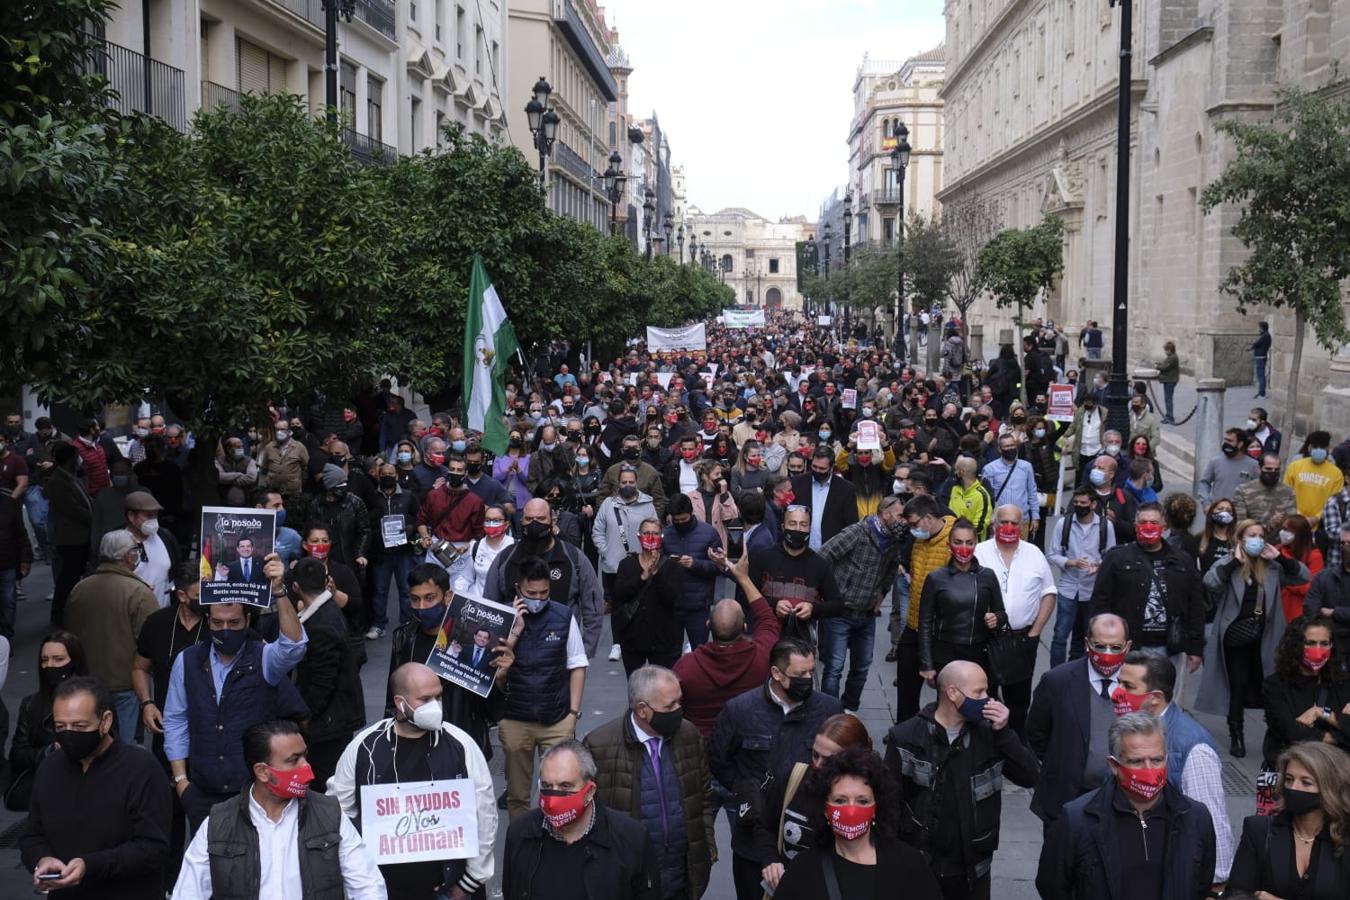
[[463, 651], [690, 337], [235, 543], [849, 399], [747, 318], [824, 321], [420, 821], [663, 378], [1060, 403], [868, 435]]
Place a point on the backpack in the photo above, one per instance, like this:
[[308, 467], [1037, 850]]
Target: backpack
[[956, 353], [1045, 370], [1066, 525], [997, 379]]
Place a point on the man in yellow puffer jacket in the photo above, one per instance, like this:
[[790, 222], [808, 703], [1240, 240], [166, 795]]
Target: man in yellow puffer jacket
[[931, 552]]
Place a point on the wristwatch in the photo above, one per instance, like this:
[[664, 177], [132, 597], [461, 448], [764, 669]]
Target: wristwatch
[[576, 713], [145, 703], [177, 780]]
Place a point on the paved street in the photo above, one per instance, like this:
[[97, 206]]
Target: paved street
[[1015, 866]]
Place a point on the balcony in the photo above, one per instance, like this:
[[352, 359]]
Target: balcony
[[368, 150], [309, 10], [573, 27], [378, 14], [888, 196], [142, 85], [214, 95], [569, 159]]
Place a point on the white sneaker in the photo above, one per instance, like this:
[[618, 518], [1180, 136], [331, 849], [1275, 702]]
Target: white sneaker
[[615, 653], [686, 648], [374, 634]]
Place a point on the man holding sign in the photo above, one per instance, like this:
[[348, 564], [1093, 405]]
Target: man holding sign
[[425, 795]]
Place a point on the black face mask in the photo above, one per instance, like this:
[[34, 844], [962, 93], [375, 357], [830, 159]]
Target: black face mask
[[474, 469], [632, 452], [1298, 803], [799, 688], [515, 443], [51, 676], [628, 491], [1270, 479], [686, 526], [1083, 512], [821, 477], [795, 540], [667, 724], [79, 745], [388, 482], [1230, 450], [536, 531], [1009, 455], [455, 480]]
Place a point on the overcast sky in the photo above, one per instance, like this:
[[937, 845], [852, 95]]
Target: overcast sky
[[756, 95]]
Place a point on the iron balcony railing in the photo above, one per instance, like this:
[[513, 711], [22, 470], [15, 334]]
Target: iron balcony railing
[[378, 14], [141, 84], [214, 95], [888, 196], [368, 150], [572, 161], [309, 10]]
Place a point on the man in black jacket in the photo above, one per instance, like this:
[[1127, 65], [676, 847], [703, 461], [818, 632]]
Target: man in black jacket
[[951, 788], [1071, 711], [1135, 829], [831, 499], [571, 844], [761, 734], [1156, 589]]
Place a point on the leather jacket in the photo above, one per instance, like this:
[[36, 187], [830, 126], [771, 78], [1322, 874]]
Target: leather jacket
[[953, 607]]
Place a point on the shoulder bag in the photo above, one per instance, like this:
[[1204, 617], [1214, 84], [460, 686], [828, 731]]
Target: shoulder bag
[[1012, 655]]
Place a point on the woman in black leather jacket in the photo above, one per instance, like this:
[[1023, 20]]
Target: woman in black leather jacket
[[60, 656], [961, 606]]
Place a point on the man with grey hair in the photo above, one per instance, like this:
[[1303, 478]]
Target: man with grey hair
[[651, 765], [1029, 594], [1136, 823], [574, 843], [107, 610]]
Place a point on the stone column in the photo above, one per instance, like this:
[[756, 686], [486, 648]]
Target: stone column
[[976, 343], [1209, 424]]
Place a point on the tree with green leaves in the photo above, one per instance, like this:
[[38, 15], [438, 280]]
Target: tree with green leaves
[[1292, 177], [968, 225], [1018, 264]]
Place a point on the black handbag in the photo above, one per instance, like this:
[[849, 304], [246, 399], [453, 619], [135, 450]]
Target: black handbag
[[1012, 655], [1244, 632]]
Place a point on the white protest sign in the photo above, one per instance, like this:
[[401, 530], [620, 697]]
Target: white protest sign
[[743, 318], [420, 821], [664, 379], [824, 320], [868, 435], [849, 399], [690, 337]]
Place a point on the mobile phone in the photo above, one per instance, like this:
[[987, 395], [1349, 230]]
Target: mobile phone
[[735, 542], [49, 876]]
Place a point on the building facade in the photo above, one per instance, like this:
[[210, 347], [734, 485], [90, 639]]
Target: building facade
[[566, 42], [758, 258], [887, 94], [406, 70], [1031, 106]]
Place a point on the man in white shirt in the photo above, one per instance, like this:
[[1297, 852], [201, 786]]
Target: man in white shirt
[[1028, 595], [285, 830], [157, 557]]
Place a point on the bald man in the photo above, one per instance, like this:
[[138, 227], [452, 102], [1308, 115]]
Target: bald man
[[964, 739]]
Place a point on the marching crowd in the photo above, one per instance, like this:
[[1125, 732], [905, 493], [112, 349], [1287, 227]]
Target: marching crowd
[[742, 517]]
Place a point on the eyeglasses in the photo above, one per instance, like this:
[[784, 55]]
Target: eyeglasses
[[797, 507], [1107, 648]]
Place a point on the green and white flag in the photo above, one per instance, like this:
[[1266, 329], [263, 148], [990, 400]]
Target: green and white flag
[[489, 342]]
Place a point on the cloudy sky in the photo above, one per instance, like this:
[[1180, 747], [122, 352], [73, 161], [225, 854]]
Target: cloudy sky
[[757, 95]]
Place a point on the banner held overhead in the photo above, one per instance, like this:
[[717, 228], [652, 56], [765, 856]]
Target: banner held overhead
[[690, 337]]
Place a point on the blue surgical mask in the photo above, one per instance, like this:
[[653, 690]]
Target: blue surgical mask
[[1253, 546], [972, 710], [826, 435], [430, 617], [405, 457], [458, 446], [920, 534], [1318, 455], [532, 605], [1097, 477]]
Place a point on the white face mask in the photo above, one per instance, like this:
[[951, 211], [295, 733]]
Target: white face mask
[[1251, 424], [428, 716], [150, 527], [1286, 537]]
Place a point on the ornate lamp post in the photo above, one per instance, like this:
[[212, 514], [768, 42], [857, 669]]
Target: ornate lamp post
[[828, 235], [614, 185], [900, 159], [331, 10], [543, 121], [1118, 392], [648, 209], [848, 229], [680, 241], [669, 223]]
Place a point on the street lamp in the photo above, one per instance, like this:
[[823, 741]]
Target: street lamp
[[614, 184], [543, 121], [669, 223], [900, 158], [848, 228], [811, 257], [331, 10], [829, 238], [693, 247], [648, 208], [680, 240], [1118, 393]]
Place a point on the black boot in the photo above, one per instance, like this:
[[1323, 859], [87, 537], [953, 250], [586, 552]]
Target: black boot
[[1239, 748]]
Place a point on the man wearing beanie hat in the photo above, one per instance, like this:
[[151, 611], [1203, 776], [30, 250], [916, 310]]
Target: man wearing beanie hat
[[345, 516], [158, 549]]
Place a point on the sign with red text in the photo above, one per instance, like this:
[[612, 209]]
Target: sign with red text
[[420, 821], [1059, 403]]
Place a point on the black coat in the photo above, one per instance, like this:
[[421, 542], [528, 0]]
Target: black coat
[[1122, 588], [329, 679], [841, 504], [620, 859], [1265, 862], [1080, 859], [464, 709], [643, 616], [953, 605], [1287, 700], [897, 864], [1058, 728], [14, 546]]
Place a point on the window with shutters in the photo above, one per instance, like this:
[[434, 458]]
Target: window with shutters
[[478, 49], [347, 93], [258, 71], [459, 32], [375, 107]]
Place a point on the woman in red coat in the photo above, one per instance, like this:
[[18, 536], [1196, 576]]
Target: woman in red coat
[[1296, 542]]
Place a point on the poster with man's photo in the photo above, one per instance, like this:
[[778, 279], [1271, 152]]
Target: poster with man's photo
[[472, 627], [235, 546]]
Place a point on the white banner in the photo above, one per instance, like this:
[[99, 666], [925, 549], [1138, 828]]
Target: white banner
[[420, 821], [664, 379], [690, 337], [749, 318], [824, 321]]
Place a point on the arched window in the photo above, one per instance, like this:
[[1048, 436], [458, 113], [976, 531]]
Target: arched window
[[773, 297], [613, 134], [726, 262]]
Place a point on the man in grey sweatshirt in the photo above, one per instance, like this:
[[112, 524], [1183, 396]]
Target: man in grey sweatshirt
[[1230, 470]]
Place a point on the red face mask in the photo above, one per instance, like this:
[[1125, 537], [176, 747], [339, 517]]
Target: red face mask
[[672, 419], [438, 431], [689, 454], [1255, 453], [963, 554], [436, 459], [349, 417], [1148, 532], [1142, 783], [290, 784], [1107, 664], [562, 809], [494, 530], [650, 541], [317, 551], [1316, 657], [785, 499], [850, 822], [864, 459], [1126, 702], [1008, 533]]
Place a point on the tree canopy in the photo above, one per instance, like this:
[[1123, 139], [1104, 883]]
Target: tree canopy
[[1018, 263]]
